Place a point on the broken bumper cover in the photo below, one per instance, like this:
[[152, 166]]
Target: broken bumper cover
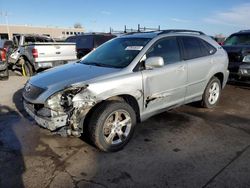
[[239, 70], [51, 123]]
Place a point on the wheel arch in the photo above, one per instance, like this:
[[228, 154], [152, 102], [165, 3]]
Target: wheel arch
[[129, 99], [220, 76]]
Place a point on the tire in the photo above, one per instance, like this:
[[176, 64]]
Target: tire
[[27, 68], [4, 75], [105, 127], [212, 93]]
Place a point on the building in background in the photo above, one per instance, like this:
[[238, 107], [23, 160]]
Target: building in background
[[8, 31]]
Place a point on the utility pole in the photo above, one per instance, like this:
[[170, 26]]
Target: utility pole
[[5, 15]]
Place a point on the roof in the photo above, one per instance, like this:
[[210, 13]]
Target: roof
[[92, 34], [244, 32], [141, 35]]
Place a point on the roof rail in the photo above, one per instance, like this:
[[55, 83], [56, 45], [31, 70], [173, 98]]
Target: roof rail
[[180, 31]]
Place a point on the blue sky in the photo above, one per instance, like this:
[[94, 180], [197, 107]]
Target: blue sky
[[212, 17]]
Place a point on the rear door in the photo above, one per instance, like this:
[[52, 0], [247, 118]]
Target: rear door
[[165, 86], [199, 63]]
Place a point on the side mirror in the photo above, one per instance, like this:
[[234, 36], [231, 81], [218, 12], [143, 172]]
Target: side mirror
[[154, 62]]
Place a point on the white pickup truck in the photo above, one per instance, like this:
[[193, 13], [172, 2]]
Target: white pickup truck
[[32, 53]]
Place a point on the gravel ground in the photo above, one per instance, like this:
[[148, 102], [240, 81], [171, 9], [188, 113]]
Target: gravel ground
[[186, 147]]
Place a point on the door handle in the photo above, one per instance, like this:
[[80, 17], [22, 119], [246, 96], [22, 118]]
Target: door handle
[[181, 68]]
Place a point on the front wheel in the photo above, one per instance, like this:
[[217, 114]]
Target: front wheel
[[212, 93], [112, 125]]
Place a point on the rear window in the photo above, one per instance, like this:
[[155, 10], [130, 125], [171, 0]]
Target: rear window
[[82, 41], [43, 39], [29, 40], [39, 39]]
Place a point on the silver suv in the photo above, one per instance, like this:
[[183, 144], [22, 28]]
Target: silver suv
[[125, 81]]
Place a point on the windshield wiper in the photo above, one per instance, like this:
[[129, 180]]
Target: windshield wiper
[[94, 64], [99, 64]]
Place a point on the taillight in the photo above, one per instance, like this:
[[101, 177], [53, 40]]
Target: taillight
[[3, 54], [34, 53]]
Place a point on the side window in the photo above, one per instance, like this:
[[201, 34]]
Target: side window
[[167, 48], [195, 48], [192, 48]]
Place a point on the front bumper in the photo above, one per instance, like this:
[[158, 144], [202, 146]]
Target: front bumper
[[239, 70], [51, 123]]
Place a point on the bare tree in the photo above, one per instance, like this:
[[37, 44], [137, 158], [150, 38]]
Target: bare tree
[[77, 25]]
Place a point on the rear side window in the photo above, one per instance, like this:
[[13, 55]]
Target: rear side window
[[208, 47], [167, 48], [85, 41], [196, 48]]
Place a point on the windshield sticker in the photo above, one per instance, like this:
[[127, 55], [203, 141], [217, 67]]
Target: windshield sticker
[[137, 48]]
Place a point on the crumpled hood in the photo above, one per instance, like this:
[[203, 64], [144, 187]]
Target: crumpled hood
[[237, 52], [63, 76]]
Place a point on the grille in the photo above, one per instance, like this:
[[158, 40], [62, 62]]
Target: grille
[[32, 92]]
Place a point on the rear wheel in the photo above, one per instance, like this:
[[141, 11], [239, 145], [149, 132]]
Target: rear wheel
[[212, 93], [112, 125], [27, 68]]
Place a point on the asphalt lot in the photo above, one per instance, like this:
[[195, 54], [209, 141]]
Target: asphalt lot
[[185, 147]]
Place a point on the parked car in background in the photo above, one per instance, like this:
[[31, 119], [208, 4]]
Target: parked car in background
[[238, 48], [32, 53], [4, 47], [125, 81], [88, 42]]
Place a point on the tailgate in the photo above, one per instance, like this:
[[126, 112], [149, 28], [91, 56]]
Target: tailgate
[[55, 52]]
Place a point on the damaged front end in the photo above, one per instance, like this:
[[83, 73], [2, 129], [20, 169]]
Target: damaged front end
[[64, 111]]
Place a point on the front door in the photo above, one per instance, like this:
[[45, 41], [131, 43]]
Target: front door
[[165, 86]]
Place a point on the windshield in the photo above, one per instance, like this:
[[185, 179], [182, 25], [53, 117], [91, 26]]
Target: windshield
[[117, 53], [241, 39]]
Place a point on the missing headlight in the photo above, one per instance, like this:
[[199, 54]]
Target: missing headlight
[[62, 101]]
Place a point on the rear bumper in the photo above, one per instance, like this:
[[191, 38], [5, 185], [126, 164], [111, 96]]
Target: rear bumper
[[48, 64], [51, 123]]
